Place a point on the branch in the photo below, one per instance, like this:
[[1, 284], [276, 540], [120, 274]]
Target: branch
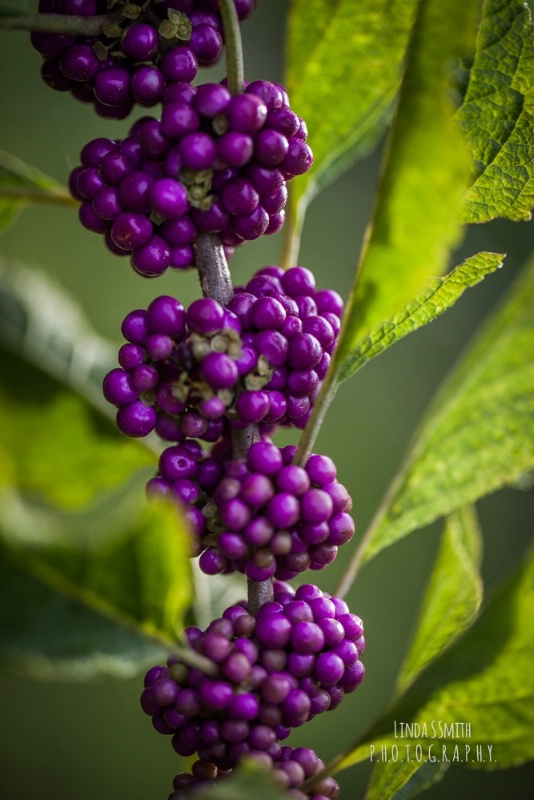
[[36, 196], [60, 23]]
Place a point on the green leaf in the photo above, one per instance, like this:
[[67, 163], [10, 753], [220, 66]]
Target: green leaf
[[497, 115], [452, 598], [98, 592], [22, 184], [42, 324], [476, 696], [434, 300], [344, 64], [404, 780], [478, 435], [56, 447], [414, 226], [249, 780], [451, 603]]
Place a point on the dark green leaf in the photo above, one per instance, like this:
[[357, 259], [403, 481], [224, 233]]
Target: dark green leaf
[[96, 592], [55, 446], [497, 115], [42, 324], [477, 695], [22, 184], [435, 299], [344, 66]]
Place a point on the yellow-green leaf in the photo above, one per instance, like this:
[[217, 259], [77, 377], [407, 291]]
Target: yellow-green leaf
[[414, 226], [478, 434], [402, 780], [438, 296], [344, 63], [497, 115], [475, 704], [453, 596], [22, 184]]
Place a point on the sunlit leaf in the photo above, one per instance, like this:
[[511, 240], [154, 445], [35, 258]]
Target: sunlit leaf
[[434, 300], [450, 605], [453, 595], [344, 64], [479, 433], [475, 704], [414, 226], [497, 115]]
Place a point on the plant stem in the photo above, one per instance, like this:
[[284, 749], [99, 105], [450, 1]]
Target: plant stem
[[311, 431], [212, 268], [234, 48], [215, 276], [291, 235], [216, 283], [258, 594], [60, 23]]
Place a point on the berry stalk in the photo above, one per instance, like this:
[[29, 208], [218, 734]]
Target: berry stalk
[[311, 431], [234, 49]]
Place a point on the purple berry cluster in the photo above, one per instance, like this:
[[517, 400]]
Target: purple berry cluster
[[188, 476], [192, 373], [292, 327], [178, 370], [292, 767], [270, 517], [214, 163], [137, 55], [267, 674]]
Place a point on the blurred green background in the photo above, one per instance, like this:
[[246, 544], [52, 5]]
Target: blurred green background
[[92, 741]]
